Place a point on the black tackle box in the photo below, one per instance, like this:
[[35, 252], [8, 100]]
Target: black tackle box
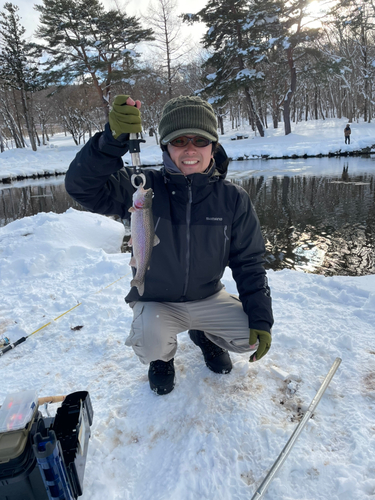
[[43, 458]]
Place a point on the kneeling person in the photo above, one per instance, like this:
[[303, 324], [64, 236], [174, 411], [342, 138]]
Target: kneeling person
[[203, 222]]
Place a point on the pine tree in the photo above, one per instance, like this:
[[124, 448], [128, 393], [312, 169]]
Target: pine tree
[[17, 67], [296, 38], [84, 40], [244, 37], [237, 38]]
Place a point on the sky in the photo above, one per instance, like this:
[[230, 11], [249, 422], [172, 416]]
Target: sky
[[190, 34], [63, 279], [29, 16]]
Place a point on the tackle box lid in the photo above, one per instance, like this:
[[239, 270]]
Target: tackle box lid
[[17, 410], [16, 416]]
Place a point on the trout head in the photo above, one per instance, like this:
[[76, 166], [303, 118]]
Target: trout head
[[142, 198]]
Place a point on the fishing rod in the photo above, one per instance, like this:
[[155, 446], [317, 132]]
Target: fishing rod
[[13, 345], [134, 150], [259, 494]]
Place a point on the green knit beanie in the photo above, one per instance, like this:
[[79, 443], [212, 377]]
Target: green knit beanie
[[187, 115]]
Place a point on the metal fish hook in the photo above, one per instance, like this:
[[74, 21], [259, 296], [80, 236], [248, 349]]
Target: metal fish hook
[[143, 180]]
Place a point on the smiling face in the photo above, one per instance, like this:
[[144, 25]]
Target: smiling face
[[190, 159]]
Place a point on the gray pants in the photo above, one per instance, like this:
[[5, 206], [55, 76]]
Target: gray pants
[[153, 333]]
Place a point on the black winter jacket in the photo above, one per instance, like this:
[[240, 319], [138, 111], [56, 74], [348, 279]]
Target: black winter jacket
[[203, 221]]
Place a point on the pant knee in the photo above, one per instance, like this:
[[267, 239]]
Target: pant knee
[[148, 337]]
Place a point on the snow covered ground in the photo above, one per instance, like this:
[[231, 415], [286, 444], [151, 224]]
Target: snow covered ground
[[215, 436], [310, 138]]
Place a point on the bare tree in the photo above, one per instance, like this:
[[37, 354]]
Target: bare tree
[[8, 113], [169, 47]]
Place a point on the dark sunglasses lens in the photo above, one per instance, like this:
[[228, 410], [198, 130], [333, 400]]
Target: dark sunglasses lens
[[199, 142], [180, 142]]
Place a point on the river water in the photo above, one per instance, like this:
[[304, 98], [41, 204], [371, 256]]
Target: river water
[[317, 216]]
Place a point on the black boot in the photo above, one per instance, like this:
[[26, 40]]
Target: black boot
[[216, 358], [161, 376]]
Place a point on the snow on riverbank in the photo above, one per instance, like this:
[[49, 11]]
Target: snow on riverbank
[[215, 436], [310, 138]]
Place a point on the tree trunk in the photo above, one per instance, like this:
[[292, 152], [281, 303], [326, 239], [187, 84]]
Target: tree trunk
[[36, 135], [350, 106], [28, 120], [250, 103], [168, 56], [365, 70], [321, 109], [248, 98], [370, 103], [221, 124], [275, 112], [289, 95], [12, 126], [156, 137], [339, 107], [104, 96], [18, 120]]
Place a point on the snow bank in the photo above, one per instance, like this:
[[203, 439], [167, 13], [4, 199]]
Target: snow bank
[[312, 138]]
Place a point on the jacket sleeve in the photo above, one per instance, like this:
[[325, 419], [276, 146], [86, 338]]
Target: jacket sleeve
[[247, 263], [97, 178]]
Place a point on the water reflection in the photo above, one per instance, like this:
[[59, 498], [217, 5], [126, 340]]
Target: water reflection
[[19, 202], [321, 224]]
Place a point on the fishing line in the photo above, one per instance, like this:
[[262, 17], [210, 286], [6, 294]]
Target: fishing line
[[12, 345]]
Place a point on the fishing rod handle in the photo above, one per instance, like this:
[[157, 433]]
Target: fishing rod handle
[[12, 346], [134, 149]]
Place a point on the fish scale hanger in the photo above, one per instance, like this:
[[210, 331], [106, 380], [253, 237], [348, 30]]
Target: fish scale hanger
[[134, 150]]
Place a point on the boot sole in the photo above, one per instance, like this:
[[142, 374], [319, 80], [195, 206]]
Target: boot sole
[[223, 371], [161, 391]]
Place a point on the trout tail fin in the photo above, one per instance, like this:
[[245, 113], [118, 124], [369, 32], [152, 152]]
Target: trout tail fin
[[139, 285]]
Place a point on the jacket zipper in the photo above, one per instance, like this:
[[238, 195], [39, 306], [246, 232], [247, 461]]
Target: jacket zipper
[[188, 221], [225, 239]]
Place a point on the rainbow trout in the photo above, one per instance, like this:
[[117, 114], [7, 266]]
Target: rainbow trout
[[143, 237]]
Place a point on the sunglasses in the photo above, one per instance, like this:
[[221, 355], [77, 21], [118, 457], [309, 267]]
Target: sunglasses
[[199, 142]]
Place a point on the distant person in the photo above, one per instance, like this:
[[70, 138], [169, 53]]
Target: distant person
[[347, 132], [204, 223]]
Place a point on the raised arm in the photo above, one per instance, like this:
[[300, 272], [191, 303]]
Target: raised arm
[[97, 178]]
